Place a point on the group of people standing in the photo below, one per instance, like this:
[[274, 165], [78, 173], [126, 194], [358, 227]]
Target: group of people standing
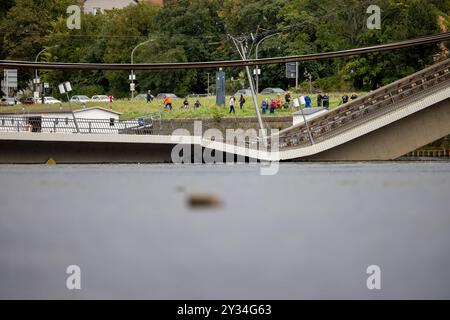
[[345, 97], [168, 103], [272, 104], [233, 103], [324, 100], [197, 104]]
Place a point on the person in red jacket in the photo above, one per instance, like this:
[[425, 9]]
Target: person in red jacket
[[273, 106], [279, 102], [168, 102]]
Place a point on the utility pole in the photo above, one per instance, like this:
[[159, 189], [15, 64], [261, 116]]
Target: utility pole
[[257, 51], [37, 81], [241, 46], [208, 84]]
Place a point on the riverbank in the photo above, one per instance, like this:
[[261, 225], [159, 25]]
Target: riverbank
[[132, 109]]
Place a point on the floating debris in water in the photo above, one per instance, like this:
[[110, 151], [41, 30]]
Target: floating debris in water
[[199, 201], [51, 162]]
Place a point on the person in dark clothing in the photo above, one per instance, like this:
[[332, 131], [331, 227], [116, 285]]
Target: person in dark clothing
[[197, 104], [354, 96], [241, 102], [149, 96], [326, 101], [287, 98], [185, 104], [319, 100], [344, 99]]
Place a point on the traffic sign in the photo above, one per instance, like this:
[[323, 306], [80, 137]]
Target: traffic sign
[[291, 70], [65, 87], [10, 76]]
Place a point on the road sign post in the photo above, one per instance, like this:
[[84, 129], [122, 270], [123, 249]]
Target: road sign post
[[66, 87], [292, 71], [10, 80]]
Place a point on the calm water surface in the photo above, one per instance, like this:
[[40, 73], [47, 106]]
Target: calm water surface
[[310, 231]]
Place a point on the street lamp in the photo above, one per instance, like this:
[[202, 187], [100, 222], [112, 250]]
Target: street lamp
[[36, 75], [132, 62], [257, 67]]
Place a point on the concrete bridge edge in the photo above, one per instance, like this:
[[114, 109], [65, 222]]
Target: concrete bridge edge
[[395, 139]]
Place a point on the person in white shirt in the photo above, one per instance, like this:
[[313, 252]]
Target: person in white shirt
[[232, 104]]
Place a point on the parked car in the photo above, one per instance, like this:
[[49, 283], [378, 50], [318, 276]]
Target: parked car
[[142, 96], [199, 95], [29, 100], [273, 91], [51, 100], [164, 95], [100, 98], [80, 99], [245, 92], [9, 102]]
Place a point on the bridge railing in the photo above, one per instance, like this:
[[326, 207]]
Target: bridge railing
[[40, 124], [364, 109]]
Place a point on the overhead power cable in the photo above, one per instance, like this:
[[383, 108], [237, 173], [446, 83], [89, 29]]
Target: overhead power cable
[[228, 63]]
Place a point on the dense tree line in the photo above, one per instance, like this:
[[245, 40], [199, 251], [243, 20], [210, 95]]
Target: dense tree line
[[196, 30]]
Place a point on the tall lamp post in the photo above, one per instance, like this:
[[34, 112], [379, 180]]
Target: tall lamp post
[[257, 67], [241, 46], [36, 74], [132, 77]]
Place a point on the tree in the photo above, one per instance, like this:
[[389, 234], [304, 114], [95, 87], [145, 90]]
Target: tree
[[24, 28], [330, 25]]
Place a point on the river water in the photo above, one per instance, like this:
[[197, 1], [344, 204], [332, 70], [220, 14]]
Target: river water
[[310, 231]]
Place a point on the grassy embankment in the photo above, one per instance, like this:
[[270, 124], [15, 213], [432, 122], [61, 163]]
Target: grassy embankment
[[140, 108]]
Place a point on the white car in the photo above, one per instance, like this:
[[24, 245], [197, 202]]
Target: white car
[[80, 99], [165, 95], [51, 100], [244, 92], [273, 91], [100, 98], [9, 101]]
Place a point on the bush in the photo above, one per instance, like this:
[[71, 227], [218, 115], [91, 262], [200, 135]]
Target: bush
[[332, 83], [217, 115]]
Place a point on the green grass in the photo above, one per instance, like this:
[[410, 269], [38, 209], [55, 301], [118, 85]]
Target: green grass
[[140, 108]]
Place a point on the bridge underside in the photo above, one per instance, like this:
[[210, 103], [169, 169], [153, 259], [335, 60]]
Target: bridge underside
[[395, 139], [70, 152]]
